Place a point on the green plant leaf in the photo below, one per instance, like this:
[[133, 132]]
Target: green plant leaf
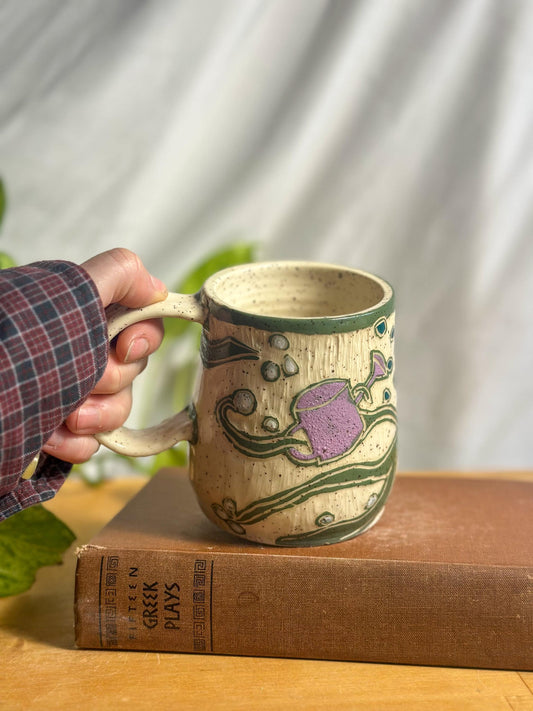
[[176, 377], [239, 253], [3, 200], [29, 540], [175, 457], [6, 261]]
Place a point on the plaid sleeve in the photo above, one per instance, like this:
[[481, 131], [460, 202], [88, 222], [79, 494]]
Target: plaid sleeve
[[53, 351]]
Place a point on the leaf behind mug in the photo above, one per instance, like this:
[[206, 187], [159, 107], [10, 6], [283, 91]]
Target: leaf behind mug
[[238, 253]]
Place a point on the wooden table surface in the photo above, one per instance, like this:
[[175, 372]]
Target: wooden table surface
[[41, 668]]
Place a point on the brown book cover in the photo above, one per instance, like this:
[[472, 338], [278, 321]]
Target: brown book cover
[[444, 578]]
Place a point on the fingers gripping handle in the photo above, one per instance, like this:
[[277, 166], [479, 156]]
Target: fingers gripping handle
[[180, 427], [186, 306]]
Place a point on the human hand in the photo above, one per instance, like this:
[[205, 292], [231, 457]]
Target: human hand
[[120, 277]]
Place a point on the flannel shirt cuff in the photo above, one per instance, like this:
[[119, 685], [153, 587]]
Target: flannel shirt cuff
[[53, 351]]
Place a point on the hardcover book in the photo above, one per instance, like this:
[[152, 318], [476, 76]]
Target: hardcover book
[[444, 578]]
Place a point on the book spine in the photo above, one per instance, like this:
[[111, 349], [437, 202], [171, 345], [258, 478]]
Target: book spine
[[326, 608]]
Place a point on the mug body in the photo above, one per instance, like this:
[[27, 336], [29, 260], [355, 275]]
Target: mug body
[[295, 405]]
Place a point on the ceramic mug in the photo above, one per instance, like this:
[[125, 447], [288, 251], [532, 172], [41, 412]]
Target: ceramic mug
[[292, 429]]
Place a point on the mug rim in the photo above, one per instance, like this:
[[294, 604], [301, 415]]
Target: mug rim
[[342, 323]]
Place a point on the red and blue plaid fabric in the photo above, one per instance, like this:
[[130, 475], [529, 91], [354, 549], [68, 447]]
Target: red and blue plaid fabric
[[53, 351]]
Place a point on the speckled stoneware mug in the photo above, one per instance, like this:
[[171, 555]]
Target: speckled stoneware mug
[[292, 429]]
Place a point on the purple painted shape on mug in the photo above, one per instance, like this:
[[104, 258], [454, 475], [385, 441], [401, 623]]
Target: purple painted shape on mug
[[329, 417]]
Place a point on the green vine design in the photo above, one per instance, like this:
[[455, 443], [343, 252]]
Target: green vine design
[[347, 476]]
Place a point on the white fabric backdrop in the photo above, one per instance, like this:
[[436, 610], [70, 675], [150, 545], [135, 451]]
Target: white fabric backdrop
[[390, 135]]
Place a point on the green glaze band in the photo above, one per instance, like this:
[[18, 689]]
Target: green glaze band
[[229, 296], [308, 326]]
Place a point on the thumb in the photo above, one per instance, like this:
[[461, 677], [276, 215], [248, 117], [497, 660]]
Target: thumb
[[121, 277]]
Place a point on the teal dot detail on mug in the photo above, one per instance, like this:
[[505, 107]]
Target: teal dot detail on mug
[[324, 519], [380, 327], [270, 424], [386, 395], [279, 341], [390, 364], [270, 371], [392, 332]]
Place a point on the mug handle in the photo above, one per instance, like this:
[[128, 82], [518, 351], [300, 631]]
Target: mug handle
[[179, 427]]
